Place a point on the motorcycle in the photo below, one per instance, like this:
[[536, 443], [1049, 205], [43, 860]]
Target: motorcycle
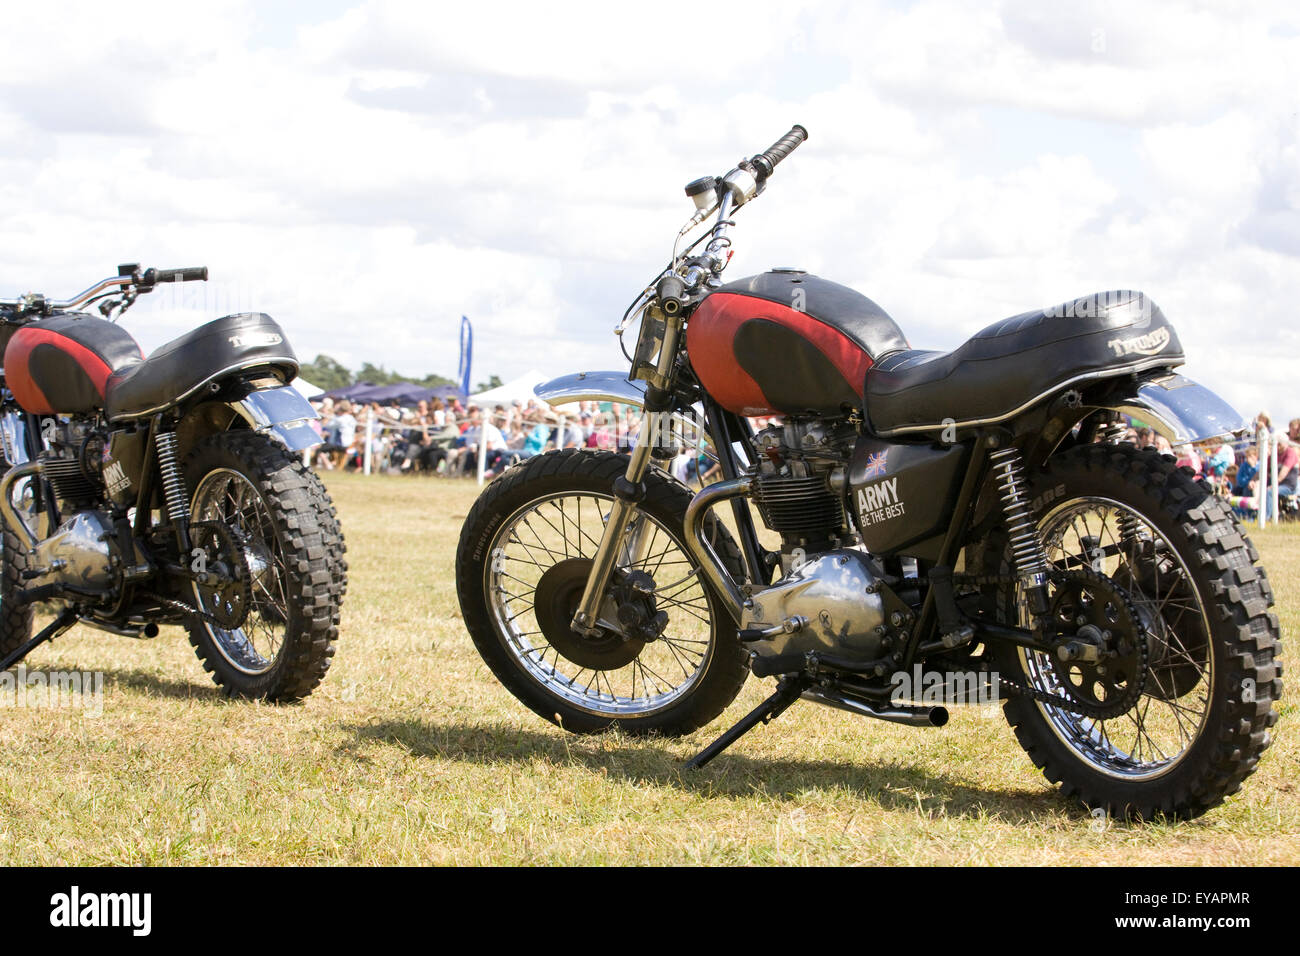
[[139, 492], [952, 526]]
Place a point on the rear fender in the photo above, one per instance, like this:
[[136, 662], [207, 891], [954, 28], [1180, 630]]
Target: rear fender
[[282, 413], [1180, 409]]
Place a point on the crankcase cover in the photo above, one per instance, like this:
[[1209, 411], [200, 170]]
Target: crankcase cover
[[80, 553], [839, 596]]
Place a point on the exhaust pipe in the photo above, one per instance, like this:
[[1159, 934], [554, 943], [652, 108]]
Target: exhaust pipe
[[710, 564], [10, 514], [912, 716]]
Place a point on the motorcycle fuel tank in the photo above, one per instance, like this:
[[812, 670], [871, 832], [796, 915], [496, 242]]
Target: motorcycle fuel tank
[[61, 365], [788, 343]]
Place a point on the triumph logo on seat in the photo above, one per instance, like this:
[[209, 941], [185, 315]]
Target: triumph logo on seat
[[254, 339], [1148, 344]]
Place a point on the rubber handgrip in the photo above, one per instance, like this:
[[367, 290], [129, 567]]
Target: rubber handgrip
[[768, 159], [192, 274]]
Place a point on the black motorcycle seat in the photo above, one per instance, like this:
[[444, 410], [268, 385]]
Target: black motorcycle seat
[[175, 371], [1014, 363]]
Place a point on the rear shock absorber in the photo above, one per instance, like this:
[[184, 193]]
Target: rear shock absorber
[[1026, 549], [178, 508], [1114, 433]]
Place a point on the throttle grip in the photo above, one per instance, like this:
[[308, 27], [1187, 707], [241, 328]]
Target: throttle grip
[[191, 274], [767, 160]]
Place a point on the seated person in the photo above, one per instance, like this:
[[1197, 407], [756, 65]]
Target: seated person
[[1247, 474], [1288, 465]]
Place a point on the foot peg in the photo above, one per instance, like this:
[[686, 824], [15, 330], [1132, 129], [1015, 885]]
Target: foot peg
[[789, 626]]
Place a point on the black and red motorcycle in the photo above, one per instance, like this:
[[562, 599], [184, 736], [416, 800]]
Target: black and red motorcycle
[[164, 490], [969, 521]]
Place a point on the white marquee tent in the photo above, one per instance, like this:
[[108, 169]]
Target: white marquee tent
[[519, 389], [305, 388]]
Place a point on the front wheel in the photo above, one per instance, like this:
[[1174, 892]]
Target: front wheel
[[280, 519], [668, 660], [1139, 547], [15, 616]]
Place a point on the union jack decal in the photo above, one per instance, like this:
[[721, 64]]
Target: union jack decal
[[876, 464]]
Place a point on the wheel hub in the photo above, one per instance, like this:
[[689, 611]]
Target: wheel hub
[[557, 597], [226, 589], [1102, 657]]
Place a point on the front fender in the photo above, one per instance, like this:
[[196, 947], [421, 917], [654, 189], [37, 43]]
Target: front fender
[[1178, 408], [592, 387]]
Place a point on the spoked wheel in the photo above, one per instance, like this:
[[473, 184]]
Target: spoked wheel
[[666, 658], [1145, 555], [1138, 570], [257, 513]]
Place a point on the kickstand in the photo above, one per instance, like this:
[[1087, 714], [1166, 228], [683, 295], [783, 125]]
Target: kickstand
[[65, 620], [787, 692]]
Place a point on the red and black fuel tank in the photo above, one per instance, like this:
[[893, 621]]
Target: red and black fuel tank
[[61, 365], [788, 343]]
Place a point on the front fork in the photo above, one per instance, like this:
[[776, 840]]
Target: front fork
[[625, 538]]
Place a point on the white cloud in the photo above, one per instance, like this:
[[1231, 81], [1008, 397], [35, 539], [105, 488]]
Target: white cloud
[[370, 173]]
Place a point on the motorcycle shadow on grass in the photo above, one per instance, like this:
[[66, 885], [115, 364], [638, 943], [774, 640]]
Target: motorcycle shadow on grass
[[650, 761], [156, 685]]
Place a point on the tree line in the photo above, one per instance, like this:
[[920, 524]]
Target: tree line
[[330, 374]]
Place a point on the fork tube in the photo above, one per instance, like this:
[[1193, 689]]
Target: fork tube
[[638, 535], [630, 489], [628, 492]]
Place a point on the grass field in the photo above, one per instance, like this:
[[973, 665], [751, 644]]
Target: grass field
[[410, 752]]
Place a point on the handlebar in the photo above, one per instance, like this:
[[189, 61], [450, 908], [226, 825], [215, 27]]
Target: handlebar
[[732, 191], [128, 276], [767, 160]]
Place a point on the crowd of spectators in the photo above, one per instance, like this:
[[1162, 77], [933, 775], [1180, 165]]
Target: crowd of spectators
[[1233, 468], [437, 438]]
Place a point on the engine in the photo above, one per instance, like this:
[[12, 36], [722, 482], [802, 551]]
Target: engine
[[799, 485], [81, 553], [834, 605], [73, 463], [833, 599]]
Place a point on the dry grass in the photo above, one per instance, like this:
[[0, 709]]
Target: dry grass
[[412, 753]]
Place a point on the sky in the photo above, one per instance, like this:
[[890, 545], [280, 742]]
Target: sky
[[369, 172]]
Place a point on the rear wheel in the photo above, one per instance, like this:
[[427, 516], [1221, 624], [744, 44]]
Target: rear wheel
[[1136, 541], [668, 660], [281, 520]]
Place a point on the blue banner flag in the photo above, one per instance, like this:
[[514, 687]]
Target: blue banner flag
[[466, 354]]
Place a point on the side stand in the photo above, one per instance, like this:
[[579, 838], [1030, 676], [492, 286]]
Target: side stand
[[787, 692], [67, 617]]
